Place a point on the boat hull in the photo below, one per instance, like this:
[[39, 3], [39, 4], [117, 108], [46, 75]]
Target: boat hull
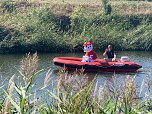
[[99, 65]]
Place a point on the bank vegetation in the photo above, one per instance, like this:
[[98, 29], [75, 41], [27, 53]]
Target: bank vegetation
[[64, 26]]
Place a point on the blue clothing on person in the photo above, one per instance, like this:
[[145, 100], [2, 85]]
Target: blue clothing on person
[[110, 54]]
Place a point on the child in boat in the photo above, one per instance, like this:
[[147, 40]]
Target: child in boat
[[109, 52], [90, 55]]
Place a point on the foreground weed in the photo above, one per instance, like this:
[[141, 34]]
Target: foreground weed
[[73, 93], [22, 104], [9, 92], [122, 97], [28, 67]]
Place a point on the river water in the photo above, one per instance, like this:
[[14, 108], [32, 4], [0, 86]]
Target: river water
[[9, 65]]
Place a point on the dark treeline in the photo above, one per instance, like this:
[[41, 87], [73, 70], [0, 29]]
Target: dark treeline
[[38, 29]]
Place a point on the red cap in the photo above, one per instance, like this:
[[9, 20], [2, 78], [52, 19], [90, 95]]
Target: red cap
[[87, 43]]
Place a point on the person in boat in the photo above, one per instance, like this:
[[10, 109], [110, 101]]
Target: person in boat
[[110, 54], [90, 55]]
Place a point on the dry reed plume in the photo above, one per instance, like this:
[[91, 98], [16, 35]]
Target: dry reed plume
[[29, 66], [125, 93], [7, 103], [47, 78], [72, 81]]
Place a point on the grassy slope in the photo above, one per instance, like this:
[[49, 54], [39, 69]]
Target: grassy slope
[[122, 6], [32, 26]]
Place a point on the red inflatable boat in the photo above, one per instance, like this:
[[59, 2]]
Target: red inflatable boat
[[98, 65]]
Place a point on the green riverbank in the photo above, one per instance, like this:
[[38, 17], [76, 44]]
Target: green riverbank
[[40, 27]]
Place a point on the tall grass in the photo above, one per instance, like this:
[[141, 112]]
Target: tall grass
[[74, 93]]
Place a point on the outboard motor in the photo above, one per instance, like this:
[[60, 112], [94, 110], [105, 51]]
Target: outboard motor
[[124, 59]]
